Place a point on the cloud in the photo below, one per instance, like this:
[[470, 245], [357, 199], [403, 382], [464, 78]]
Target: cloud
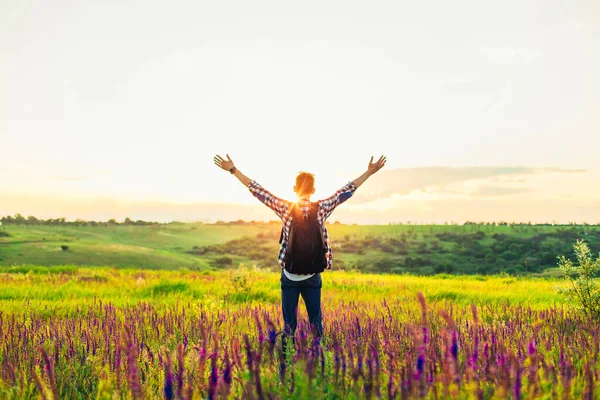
[[444, 194], [434, 194], [403, 181], [561, 170], [492, 191], [503, 208]]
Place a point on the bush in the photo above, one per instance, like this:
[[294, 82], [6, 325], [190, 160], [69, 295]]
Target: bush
[[64, 247], [384, 264], [398, 270], [426, 271], [352, 247], [401, 251], [387, 248], [241, 280], [583, 291], [4, 234], [224, 261]]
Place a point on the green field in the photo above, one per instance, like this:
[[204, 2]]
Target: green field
[[193, 311], [65, 289], [400, 249], [161, 246]]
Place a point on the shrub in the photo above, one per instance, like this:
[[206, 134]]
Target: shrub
[[352, 247], [426, 271], [224, 261], [4, 234], [583, 290], [401, 251], [387, 248], [64, 247], [384, 264], [241, 279]]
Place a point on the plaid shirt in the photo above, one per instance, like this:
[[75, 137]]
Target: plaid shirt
[[283, 210]]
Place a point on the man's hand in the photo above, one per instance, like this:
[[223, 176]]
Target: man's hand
[[222, 163], [376, 166], [373, 167], [227, 165]]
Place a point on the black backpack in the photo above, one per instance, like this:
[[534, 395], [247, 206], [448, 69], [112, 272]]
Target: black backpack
[[305, 251]]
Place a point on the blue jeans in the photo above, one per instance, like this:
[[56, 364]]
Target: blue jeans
[[310, 290]]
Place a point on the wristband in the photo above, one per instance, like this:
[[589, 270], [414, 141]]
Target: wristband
[[232, 170]]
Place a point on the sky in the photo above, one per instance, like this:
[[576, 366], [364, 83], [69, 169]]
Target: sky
[[486, 111]]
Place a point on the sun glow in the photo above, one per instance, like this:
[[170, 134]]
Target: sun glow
[[134, 114]]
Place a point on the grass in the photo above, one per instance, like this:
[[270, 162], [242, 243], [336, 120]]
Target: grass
[[157, 246], [113, 333], [124, 301], [69, 288]]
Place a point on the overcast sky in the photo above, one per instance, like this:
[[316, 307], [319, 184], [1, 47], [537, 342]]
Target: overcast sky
[[485, 110]]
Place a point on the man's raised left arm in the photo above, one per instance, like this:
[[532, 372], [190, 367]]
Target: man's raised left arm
[[276, 204]]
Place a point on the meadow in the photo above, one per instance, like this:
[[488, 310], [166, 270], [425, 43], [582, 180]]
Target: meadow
[[105, 333], [192, 311]]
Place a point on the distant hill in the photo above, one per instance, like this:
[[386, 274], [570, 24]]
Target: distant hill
[[413, 249]]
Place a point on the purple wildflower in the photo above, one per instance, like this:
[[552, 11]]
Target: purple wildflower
[[518, 384], [454, 347], [249, 354], [421, 362], [49, 369], [261, 335], [168, 387], [213, 380], [531, 349], [132, 371], [180, 369], [227, 379], [272, 337]]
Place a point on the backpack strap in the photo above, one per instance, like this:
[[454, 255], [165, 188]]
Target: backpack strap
[[314, 209], [289, 212], [314, 212]]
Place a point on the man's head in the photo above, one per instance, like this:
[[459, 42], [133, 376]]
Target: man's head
[[305, 184]]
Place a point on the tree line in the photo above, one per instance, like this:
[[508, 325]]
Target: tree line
[[18, 219]]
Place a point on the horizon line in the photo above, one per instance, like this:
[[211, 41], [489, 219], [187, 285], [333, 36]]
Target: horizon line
[[64, 220]]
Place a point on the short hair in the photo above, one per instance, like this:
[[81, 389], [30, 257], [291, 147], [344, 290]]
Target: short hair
[[305, 183]]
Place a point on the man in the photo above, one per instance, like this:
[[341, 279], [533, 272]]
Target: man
[[305, 250]]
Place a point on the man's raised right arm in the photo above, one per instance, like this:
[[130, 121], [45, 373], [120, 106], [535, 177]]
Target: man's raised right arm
[[329, 204]]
